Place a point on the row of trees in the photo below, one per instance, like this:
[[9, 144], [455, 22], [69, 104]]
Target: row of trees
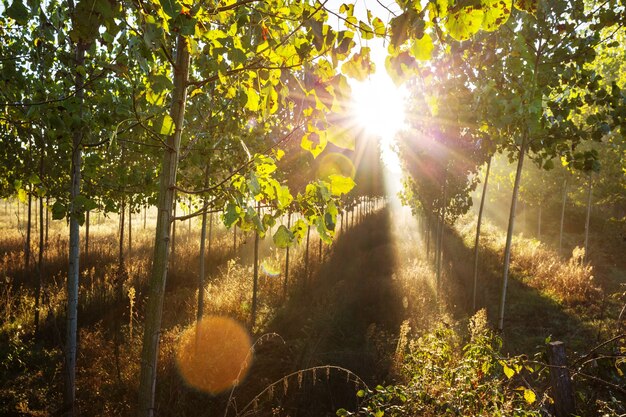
[[537, 89], [102, 98]]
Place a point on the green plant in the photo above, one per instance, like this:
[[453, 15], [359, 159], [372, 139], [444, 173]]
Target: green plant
[[442, 376]]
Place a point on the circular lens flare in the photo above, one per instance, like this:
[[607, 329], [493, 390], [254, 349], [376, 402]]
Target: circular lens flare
[[214, 354]]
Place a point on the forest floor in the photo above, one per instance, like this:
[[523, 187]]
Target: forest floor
[[337, 330]]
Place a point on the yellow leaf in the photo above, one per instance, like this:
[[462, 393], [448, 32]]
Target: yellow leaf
[[253, 99], [497, 12], [508, 371], [465, 23], [167, 127], [340, 184], [422, 49], [529, 396]]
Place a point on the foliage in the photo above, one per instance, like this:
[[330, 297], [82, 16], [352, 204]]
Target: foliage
[[444, 376]]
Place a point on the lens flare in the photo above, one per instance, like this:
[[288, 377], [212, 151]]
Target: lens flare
[[335, 163], [270, 267], [214, 354]]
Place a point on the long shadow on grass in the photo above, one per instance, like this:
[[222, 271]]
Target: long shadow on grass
[[530, 316], [339, 319]]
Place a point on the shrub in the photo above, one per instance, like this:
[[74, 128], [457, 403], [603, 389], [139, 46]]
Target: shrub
[[444, 377]]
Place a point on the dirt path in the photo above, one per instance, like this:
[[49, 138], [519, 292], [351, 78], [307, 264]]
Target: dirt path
[[347, 315]]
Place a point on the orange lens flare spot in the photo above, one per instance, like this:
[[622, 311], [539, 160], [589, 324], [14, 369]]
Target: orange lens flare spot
[[214, 354]]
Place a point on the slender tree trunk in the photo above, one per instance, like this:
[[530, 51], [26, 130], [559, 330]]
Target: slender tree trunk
[[287, 260], [86, 237], [428, 236], [306, 256], [28, 229], [158, 276], [122, 224], [235, 239], [562, 217], [69, 392], [255, 282], [589, 194], [47, 219], [477, 241], [39, 264], [319, 251], [130, 229], [201, 277], [509, 234], [202, 274], [441, 235], [145, 214], [173, 254], [41, 245], [189, 225]]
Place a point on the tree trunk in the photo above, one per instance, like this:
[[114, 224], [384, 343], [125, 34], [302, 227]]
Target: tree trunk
[[86, 236], [255, 281], [562, 217], [120, 256], [306, 256], [41, 243], [202, 262], [39, 263], [189, 212], [319, 251], [287, 260], [130, 229], [158, 276], [509, 234], [69, 392], [589, 193], [173, 255], [202, 274], [145, 214], [235, 239], [47, 219], [441, 235], [29, 218], [427, 236], [477, 241]]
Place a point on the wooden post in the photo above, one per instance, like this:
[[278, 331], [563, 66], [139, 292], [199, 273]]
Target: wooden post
[[560, 380]]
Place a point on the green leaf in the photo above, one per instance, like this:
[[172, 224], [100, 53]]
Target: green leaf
[[18, 12], [283, 237], [465, 23], [231, 214], [340, 184], [59, 210], [529, 396]]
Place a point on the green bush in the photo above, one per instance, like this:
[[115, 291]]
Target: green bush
[[443, 377]]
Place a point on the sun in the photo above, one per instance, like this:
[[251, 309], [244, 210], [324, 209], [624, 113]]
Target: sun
[[378, 106]]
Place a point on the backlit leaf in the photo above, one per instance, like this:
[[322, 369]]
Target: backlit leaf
[[529, 396], [422, 49], [283, 237], [465, 23], [167, 125], [340, 185], [497, 12]]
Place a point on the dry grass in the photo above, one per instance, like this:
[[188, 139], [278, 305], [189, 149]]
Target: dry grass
[[569, 281]]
